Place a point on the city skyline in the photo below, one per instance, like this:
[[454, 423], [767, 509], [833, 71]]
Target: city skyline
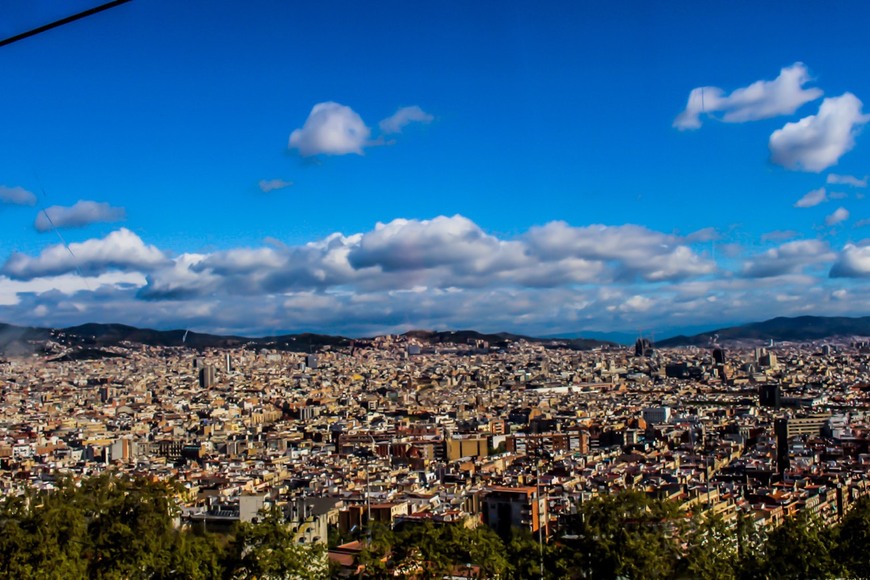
[[356, 170]]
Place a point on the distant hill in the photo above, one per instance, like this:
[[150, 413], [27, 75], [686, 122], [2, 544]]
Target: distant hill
[[801, 328], [502, 339], [90, 338], [15, 340]]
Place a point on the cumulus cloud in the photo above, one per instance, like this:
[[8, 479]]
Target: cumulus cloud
[[443, 272], [421, 244], [789, 258], [267, 185], [120, 250], [851, 180], [441, 253], [853, 262], [331, 129], [818, 141], [79, 215], [634, 251], [761, 100], [840, 215], [813, 198], [403, 117], [16, 196]]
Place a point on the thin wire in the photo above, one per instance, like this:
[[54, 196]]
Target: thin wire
[[61, 22], [60, 237]]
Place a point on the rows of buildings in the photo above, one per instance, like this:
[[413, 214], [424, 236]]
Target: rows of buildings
[[395, 430]]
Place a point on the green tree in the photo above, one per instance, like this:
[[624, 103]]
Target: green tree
[[436, 550], [799, 548], [627, 534], [523, 552], [712, 550], [129, 526], [267, 549], [193, 556], [853, 540]]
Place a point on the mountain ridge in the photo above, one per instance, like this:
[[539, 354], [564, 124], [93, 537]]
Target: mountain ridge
[[781, 328], [23, 339]]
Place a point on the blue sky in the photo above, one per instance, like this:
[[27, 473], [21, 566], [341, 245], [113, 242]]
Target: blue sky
[[339, 167]]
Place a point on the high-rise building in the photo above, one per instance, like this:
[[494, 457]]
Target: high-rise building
[[207, 377], [770, 396]]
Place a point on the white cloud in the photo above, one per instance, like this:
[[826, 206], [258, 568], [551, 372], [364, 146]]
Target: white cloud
[[67, 284], [853, 262], [446, 272], [840, 215], [833, 178], [441, 253], [818, 141], [404, 116], [634, 251], [331, 129], [813, 198], [267, 185], [79, 215], [789, 258], [760, 100], [120, 250], [16, 196], [637, 304]]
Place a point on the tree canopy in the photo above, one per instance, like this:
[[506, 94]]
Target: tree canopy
[[109, 527]]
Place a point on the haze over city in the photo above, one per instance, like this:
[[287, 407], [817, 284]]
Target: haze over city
[[362, 169]]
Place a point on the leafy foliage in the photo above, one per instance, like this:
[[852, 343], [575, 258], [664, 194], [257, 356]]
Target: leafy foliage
[[110, 527]]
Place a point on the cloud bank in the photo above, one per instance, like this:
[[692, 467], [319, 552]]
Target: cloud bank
[[444, 272]]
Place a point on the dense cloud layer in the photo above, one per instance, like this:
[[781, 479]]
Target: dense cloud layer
[[443, 272]]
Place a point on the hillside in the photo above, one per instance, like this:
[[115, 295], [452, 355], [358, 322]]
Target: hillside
[[799, 329]]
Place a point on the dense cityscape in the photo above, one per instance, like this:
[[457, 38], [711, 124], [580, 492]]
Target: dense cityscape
[[394, 431], [434, 290]]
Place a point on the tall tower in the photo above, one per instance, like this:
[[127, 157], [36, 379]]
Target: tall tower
[[207, 377]]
